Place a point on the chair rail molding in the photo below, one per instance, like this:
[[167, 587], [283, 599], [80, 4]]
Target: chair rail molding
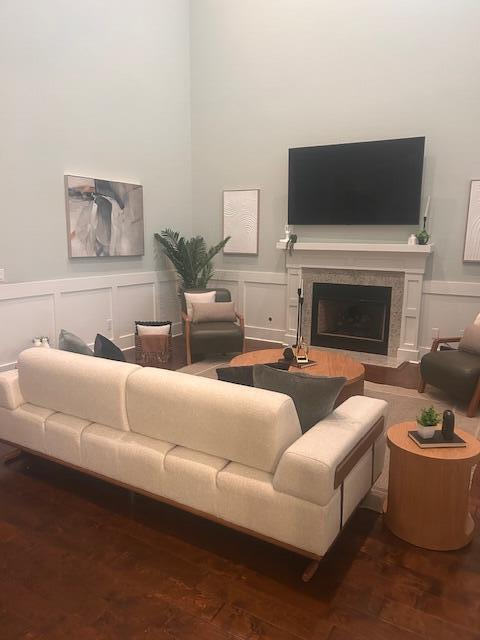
[[107, 304]]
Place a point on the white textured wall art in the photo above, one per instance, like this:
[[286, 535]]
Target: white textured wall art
[[472, 236], [240, 221]]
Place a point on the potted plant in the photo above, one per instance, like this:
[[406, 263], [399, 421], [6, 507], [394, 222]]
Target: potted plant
[[426, 423], [191, 258]]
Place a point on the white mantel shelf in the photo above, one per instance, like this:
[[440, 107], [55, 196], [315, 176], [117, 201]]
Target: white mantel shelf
[[359, 246]]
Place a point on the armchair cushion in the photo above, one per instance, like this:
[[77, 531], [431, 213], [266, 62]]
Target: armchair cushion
[[470, 341], [314, 396], [199, 298], [213, 312], [455, 370], [216, 337]]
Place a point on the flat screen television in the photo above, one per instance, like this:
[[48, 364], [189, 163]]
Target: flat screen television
[[378, 182]]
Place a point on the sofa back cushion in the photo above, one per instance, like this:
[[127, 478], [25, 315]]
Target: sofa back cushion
[[246, 425], [88, 388]]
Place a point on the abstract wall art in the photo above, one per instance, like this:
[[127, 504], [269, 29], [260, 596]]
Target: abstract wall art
[[104, 218], [472, 236], [240, 221]]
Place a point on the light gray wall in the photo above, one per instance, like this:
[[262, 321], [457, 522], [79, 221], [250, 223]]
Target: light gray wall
[[98, 88], [276, 74]]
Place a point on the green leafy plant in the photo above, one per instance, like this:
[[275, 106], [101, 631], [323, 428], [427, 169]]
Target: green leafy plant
[[429, 417], [191, 258]]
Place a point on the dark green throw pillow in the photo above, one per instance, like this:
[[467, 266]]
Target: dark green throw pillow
[[70, 342], [244, 375], [105, 348], [314, 396]]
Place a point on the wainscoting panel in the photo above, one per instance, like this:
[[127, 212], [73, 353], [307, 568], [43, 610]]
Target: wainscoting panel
[[86, 306], [20, 320], [86, 313]]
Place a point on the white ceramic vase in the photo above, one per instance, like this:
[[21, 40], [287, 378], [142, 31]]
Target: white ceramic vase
[[425, 432]]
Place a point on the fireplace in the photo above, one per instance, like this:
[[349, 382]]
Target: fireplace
[[350, 316]]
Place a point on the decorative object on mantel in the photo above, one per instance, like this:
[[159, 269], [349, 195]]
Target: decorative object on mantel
[[423, 236], [471, 251], [292, 239], [191, 258], [240, 221], [412, 240], [104, 218], [288, 231], [426, 423]]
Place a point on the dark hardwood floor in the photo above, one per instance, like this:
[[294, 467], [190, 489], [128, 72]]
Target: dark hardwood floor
[[83, 560]]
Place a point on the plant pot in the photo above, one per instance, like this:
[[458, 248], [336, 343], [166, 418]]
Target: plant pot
[[425, 432]]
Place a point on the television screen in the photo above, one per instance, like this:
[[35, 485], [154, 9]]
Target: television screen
[[376, 182]]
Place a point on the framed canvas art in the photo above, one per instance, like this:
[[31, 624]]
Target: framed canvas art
[[471, 251], [240, 221], [104, 218]]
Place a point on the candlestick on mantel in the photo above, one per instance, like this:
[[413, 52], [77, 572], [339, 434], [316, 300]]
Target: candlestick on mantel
[[427, 208]]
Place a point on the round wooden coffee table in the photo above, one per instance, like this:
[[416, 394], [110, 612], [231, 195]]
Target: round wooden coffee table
[[327, 363], [428, 490]]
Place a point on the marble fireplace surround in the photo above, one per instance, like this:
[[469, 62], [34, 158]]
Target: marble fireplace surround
[[353, 276], [399, 266]]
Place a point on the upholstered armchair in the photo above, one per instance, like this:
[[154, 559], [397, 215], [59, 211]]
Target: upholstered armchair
[[456, 371], [212, 337]]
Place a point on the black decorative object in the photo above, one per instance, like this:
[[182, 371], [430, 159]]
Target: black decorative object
[[288, 354], [448, 424]]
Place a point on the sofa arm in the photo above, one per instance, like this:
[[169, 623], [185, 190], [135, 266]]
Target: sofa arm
[[10, 394], [314, 466]]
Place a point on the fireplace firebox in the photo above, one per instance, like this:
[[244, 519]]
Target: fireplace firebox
[[352, 317]]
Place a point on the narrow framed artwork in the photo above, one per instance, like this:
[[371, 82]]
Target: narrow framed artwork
[[240, 221], [104, 218], [471, 251]]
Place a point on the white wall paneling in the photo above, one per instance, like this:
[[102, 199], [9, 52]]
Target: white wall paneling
[[86, 306]]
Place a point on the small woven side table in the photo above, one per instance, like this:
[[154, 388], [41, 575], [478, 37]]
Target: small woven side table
[[428, 490]]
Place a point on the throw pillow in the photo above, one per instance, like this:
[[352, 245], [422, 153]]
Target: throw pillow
[[213, 312], [105, 348], [70, 342], [190, 298], [244, 375], [153, 330], [314, 396], [470, 341]]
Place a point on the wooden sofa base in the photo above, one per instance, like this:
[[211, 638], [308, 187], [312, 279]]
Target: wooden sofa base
[[308, 573], [345, 467]]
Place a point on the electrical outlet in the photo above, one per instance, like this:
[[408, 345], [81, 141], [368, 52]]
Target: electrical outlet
[[460, 333], [435, 333], [2, 275], [109, 324]]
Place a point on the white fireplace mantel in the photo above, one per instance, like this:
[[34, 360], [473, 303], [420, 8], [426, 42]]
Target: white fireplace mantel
[[408, 259]]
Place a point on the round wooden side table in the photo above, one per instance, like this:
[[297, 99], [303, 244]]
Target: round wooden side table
[[428, 490]]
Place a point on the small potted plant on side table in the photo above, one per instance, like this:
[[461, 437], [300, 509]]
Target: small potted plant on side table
[[426, 423]]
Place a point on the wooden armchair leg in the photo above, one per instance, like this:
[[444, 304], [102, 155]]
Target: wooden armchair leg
[[474, 402], [422, 385], [189, 351], [11, 456]]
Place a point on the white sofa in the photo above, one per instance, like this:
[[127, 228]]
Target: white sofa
[[230, 453]]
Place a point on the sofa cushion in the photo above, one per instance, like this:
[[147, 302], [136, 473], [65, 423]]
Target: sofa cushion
[[249, 425], [213, 312], [314, 396], [105, 348], [68, 341], [88, 388]]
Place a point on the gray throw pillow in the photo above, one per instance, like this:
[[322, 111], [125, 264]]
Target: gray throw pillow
[[470, 341], [314, 396], [70, 342]]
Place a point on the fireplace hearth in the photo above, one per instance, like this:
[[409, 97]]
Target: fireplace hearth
[[350, 316]]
